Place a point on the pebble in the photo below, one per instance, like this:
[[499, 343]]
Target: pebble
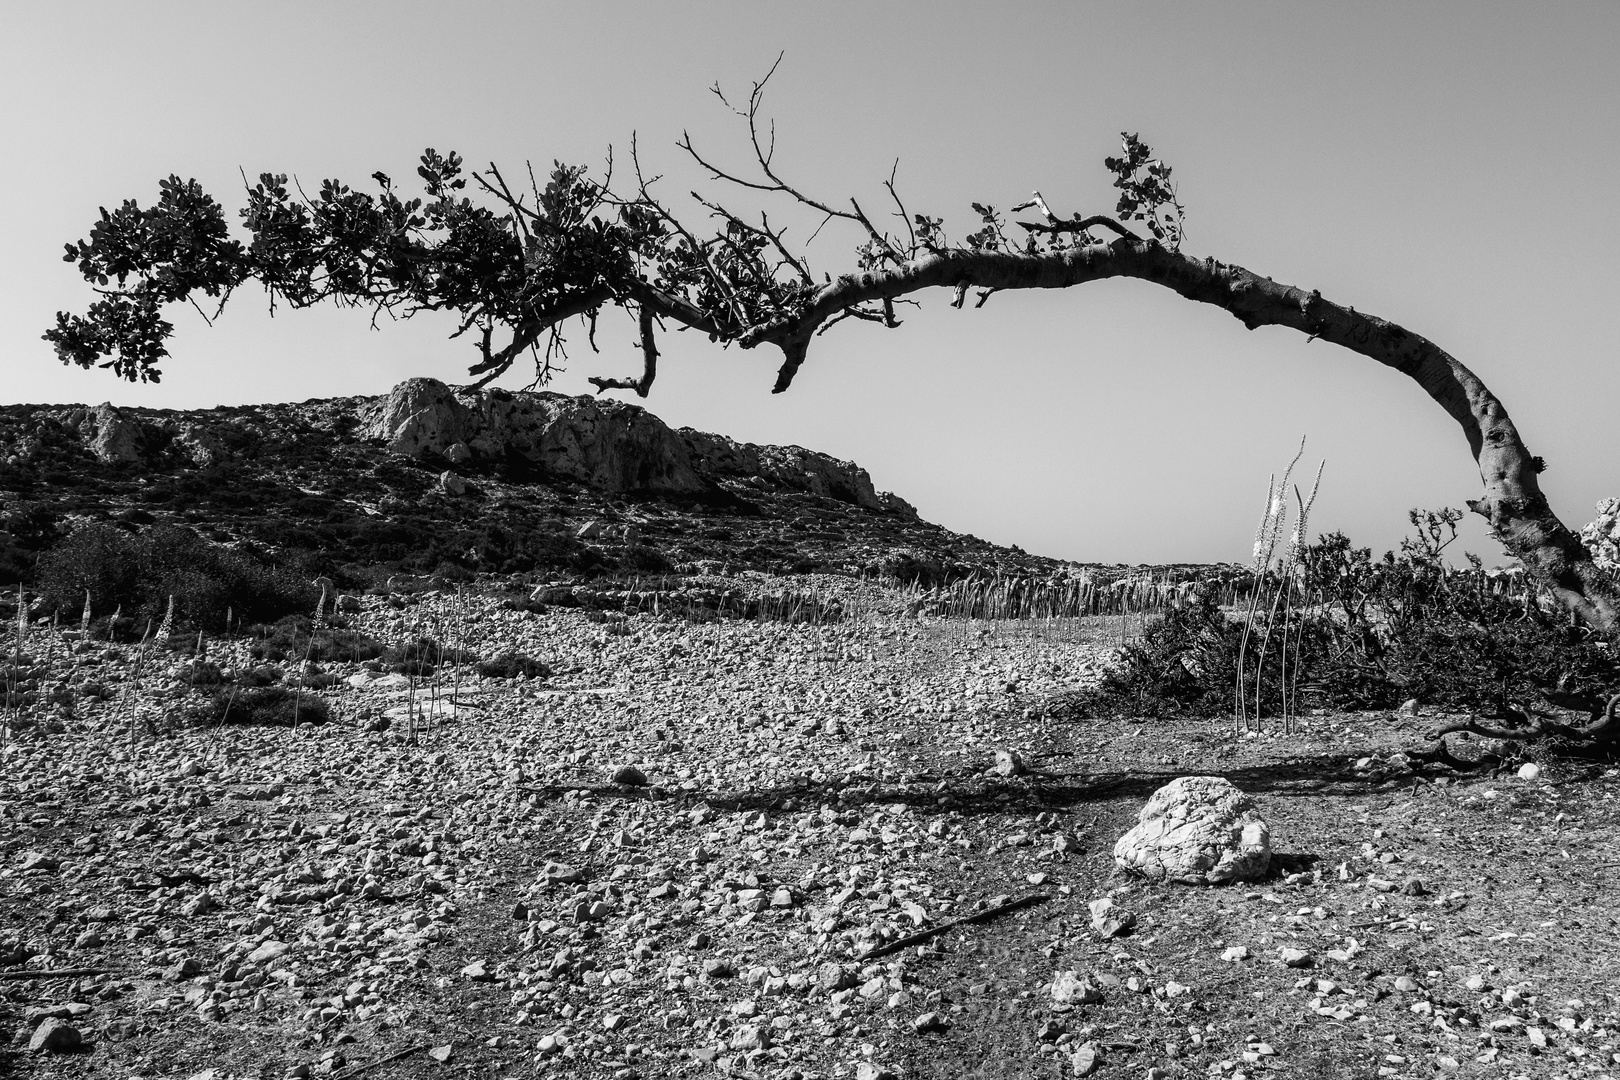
[[1295, 958], [1071, 988]]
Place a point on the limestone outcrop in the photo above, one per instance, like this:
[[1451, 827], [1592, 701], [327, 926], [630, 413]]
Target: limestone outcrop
[[1197, 830], [610, 445]]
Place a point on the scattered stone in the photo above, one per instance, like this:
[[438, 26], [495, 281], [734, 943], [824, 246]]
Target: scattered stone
[[1233, 953], [1109, 920], [1071, 988], [181, 970], [1529, 771], [38, 860], [441, 1054], [267, 951], [1009, 763], [560, 873], [1085, 1060], [930, 1021], [477, 971], [868, 1071], [1409, 707], [1295, 958], [629, 776], [53, 1036], [1197, 830], [1407, 985]]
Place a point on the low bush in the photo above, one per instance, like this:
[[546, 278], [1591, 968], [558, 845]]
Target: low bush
[[275, 705], [139, 572], [513, 665], [1365, 633], [295, 638], [422, 656]]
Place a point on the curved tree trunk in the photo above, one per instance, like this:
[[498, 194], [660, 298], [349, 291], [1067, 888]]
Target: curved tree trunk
[[1512, 502]]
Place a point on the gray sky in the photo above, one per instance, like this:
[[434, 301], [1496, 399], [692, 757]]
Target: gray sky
[[1451, 166]]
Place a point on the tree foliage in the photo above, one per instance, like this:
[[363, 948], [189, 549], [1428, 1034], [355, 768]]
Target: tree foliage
[[515, 263]]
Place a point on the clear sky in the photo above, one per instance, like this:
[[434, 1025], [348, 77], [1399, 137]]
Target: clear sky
[[1451, 166]]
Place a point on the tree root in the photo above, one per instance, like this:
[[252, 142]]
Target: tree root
[[1522, 726]]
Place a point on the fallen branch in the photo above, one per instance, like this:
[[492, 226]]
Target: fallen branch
[[56, 973], [933, 932], [358, 1069]]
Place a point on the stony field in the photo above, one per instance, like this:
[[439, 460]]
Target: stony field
[[672, 857]]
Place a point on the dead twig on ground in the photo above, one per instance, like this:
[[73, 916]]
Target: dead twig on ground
[[358, 1069], [933, 932]]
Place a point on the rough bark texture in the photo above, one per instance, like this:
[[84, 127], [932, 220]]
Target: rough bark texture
[[1512, 501]]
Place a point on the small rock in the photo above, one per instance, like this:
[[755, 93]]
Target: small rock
[[181, 970], [1049, 1032], [629, 776], [1084, 1060], [53, 1036], [1414, 887], [560, 873], [930, 1021], [1409, 707], [1071, 988], [1109, 920], [1067, 844], [38, 860], [269, 950], [782, 898], [1009, 763], [1234, 953], [451, 484], [441, 1054], [1529, 771], [1295, 958], [718, 969], [751, 1037], [868, 1071], [1408, 985], [477, 972]]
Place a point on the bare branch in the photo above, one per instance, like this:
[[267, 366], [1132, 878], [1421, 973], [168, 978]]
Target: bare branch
[[649, 356], [1079, 225]]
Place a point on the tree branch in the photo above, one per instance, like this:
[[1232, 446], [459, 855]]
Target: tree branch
[[649, 355]]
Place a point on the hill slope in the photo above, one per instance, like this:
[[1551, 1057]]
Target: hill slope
[[426, 480]]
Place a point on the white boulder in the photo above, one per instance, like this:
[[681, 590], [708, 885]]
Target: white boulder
[[1197, 830]]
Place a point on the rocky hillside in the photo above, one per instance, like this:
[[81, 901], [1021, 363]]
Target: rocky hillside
[[428, 479]]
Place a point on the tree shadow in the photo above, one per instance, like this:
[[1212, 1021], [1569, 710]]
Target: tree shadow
[[1303, 776]]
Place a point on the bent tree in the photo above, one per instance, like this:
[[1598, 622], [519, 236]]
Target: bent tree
[[516, 261]]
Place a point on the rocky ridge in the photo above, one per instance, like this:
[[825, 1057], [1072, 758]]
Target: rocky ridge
[[427, 478]]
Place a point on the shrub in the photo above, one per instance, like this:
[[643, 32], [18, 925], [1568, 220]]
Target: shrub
[[293, 639], [264, 705], [422, 656], [1369, 634], [513, 665], [139, 572]]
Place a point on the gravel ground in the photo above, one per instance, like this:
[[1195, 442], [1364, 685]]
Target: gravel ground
[[671, 857]]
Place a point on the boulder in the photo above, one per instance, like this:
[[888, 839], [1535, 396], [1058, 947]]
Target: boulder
[[1197, 830], [419, 416], [606, 444], [112, 435]]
